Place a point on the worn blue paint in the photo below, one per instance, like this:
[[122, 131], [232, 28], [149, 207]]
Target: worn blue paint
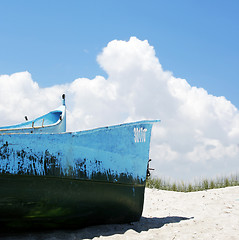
[[115, 154]]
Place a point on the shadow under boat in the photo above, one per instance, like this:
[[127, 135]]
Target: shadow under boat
[[145, 224]]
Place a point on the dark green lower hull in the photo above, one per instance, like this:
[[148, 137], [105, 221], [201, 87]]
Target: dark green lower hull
[[37, 202]]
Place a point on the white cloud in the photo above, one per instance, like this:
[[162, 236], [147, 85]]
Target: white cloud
[[198, 135]]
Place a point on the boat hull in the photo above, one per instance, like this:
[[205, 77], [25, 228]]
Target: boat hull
[[72, 180]]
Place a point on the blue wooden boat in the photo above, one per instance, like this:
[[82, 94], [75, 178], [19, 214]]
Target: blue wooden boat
[[52, 122], [74, 179]]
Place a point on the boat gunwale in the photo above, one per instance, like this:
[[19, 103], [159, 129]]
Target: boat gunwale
[[117, 126], [88, 130]]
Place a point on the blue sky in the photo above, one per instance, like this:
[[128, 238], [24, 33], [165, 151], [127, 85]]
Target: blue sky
[[58, 41]]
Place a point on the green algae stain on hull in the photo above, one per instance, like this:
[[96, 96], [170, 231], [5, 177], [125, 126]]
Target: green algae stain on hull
[[63, 203]]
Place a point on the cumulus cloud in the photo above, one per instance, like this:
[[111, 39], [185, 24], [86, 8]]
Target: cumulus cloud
[[198, 135]]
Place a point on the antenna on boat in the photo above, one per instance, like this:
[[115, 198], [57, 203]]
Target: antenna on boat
[[63, 99]]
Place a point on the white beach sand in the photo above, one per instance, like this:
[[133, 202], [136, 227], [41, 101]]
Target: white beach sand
[[212, 214]]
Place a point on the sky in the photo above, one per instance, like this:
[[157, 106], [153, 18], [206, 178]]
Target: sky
[[121, 61]]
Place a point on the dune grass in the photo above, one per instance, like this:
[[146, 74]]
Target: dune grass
[[200, 185]]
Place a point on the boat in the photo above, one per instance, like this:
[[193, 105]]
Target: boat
[[52, 122], [73, 179]]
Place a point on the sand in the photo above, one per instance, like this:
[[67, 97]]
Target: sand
[[212, 214]]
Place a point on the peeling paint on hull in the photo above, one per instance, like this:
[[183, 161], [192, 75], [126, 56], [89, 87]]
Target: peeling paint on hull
[[74, 179]]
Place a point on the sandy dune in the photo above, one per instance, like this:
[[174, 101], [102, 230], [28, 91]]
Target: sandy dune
[[212, 214]]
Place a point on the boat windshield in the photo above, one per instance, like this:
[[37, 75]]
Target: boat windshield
[[45, 120]]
